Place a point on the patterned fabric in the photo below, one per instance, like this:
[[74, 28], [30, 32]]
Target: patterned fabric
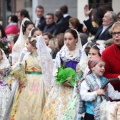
[[81, 103], [4, 88], [45, 62], [4, 98], [29, 101], [109, 110], [18, 70], [72, 107], [60, 95], [57, 101]]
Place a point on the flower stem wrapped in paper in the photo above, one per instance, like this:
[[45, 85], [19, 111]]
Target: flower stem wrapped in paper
[[66, 75]]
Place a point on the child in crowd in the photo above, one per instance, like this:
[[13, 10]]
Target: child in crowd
[[95, 50], [47, 36], [90, 91], [38, 81], [36, 32]]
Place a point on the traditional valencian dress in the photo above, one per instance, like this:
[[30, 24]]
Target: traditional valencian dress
[[60, 95], [4, 88], [33, 96], [29, 102]]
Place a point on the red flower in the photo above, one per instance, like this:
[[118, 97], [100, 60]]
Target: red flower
[[33, 68]]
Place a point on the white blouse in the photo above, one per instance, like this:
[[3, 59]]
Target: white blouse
[[90, 96]]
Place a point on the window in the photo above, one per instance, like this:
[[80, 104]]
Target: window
[[97, 3]]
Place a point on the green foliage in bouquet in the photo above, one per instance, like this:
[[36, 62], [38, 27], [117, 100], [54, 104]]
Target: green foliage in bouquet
[[66, 74]]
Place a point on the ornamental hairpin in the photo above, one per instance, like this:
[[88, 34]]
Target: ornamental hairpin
[[32, 39]]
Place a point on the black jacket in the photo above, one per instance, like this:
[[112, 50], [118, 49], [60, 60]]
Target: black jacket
[[59, 27], [105, 35], [90, 28], [49, 28], [66, 23], [42, 23]]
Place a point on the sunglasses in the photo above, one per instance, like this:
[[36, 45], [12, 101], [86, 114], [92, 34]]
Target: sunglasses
[[115, 33]]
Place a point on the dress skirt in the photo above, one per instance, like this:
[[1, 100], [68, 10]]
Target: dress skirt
[[57, 102], [32, 99]]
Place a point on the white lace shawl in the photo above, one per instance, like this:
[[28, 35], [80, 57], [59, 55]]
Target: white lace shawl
[[19, 45]]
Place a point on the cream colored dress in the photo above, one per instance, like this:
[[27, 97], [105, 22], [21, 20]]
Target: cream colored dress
[[57, 102], [33, 96], [60, 95]]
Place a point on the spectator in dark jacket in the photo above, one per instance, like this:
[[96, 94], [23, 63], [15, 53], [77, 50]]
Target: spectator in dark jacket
[[66, 16], [50, 24], [40, 20], [103, 32], [58, 18]]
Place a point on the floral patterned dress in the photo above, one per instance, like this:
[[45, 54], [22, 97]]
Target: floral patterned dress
[[4, 97], [60, 95], [4, 87], [33, 96]]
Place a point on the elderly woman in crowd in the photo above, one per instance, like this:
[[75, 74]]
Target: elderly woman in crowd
[[111, 56]]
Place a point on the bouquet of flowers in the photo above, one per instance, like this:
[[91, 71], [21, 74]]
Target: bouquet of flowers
[[66, 74], [5, 45], [18, 70]]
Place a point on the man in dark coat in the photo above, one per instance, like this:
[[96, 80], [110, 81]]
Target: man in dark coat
[[40, 20], [50, 24], [103, 31], [66, 17]]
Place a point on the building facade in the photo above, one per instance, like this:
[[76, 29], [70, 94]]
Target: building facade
[[76, 7]]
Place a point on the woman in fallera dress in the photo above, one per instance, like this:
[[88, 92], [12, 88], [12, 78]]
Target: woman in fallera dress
[[33, 96], [61, 92]]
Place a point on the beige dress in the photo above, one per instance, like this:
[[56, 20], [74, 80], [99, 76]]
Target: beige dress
[[57, 102], [33, 96]]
